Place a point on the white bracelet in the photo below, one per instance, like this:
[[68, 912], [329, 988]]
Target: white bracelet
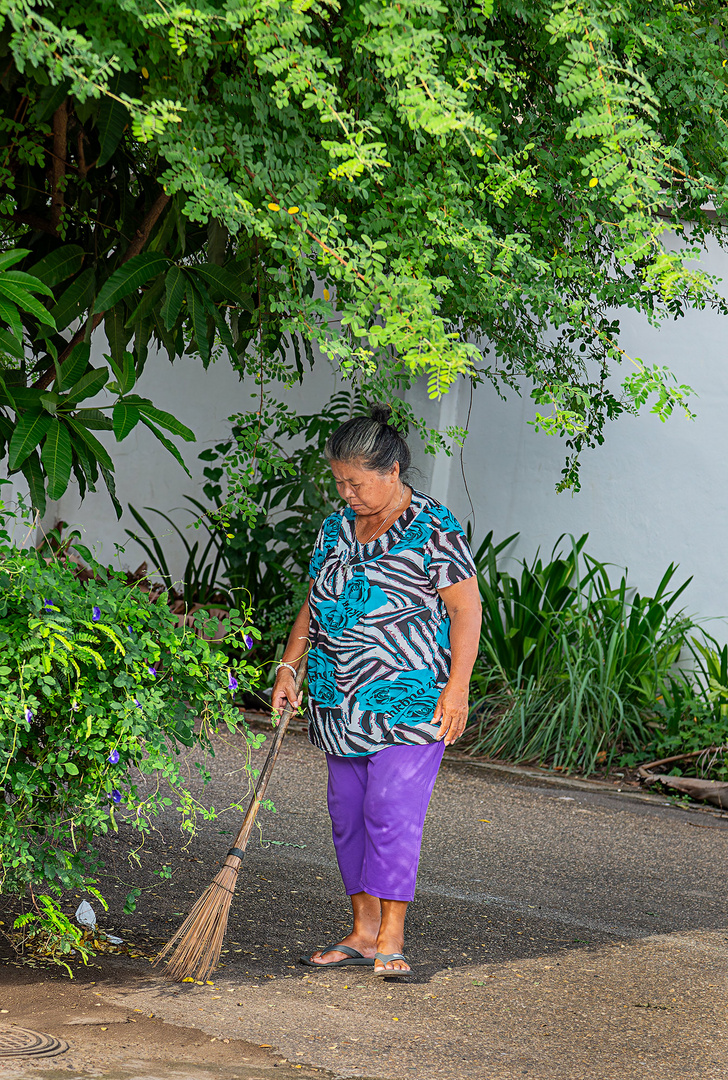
[[289, 666]]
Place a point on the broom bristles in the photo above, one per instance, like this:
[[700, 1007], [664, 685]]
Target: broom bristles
[[195, 948]]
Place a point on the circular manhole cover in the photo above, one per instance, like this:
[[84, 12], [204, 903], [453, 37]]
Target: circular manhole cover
[[20, 1042]]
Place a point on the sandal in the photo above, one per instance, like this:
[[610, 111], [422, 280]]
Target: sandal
[[353, 958], [391, 973]]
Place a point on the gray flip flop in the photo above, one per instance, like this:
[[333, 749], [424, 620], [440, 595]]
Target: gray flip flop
[[354, 958], [391, 973]]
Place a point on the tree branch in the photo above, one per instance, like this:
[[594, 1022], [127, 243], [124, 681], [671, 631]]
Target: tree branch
[[58, 163], [140, 238]]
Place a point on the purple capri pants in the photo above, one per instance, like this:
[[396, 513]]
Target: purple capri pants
[[378, 804]]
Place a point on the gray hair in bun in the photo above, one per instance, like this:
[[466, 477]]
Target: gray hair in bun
[[372, 440]]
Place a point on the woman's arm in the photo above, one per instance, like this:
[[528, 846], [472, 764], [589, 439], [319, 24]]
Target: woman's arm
[[284, 688], [462, 602]]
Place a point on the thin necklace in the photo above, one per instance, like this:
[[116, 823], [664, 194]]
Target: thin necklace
[[363, 543]]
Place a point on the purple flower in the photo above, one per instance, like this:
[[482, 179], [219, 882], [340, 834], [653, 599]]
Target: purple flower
[[114, 756], [130, 630], [28, 716], [47, 602], [248, 641], [116, 796], [152, 671], [95, 613], [232, 682], [137, 703]]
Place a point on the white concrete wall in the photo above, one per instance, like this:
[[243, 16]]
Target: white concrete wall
[[653, 494], [147, 475]]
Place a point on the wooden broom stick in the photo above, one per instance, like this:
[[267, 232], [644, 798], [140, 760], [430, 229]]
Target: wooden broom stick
[[195, 948]]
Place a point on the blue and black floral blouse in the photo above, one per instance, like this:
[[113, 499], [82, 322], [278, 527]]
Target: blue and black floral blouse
[[380, 633]]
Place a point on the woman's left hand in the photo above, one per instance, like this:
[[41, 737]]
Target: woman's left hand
[[451, 712]]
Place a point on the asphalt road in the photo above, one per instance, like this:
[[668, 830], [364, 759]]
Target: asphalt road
[[556, 933]]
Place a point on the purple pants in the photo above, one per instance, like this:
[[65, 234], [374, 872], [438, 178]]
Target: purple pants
[[378, 804]]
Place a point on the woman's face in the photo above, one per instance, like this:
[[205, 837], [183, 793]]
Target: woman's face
[[365, 490]]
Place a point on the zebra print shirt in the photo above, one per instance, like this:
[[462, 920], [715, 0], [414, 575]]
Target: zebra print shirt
[[380, 633]]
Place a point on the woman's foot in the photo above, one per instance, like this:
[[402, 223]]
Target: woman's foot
[[367, 947], [387, 944]]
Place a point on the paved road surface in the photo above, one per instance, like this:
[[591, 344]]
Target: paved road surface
[[556, 933]]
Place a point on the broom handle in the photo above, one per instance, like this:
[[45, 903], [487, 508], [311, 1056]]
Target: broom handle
[[241, 841]]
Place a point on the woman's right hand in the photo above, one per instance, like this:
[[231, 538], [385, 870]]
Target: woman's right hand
[[284, 693]]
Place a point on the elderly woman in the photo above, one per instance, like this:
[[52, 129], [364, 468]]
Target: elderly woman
[[393, 622]]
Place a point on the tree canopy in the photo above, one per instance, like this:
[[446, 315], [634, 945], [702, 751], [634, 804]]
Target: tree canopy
[[426, 187]]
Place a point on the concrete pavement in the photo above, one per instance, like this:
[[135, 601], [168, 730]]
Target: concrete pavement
[[556, 933]]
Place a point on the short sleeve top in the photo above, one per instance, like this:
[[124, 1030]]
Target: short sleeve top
[[379, 630]]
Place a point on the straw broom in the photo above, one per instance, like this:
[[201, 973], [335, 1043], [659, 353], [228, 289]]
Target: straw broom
[[195, 948]]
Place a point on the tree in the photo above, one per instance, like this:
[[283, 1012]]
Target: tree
[[479, 187]]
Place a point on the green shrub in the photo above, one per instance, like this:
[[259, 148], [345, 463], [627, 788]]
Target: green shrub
[[98, 684], [571, 667], [691, 716]]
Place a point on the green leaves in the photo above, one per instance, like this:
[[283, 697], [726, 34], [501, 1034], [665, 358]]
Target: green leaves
[[126, 417], [59, 265], [82, 713], [56, 458], [174, 295], [113, 118], [130, 277], [30, 429]]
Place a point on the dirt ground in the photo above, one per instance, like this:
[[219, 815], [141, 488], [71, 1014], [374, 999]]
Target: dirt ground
[[559, 931]]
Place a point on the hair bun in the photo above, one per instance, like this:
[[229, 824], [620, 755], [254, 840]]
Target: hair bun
[[381, 413]]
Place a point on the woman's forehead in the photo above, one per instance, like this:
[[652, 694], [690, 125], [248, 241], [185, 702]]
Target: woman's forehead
[[353, 471]]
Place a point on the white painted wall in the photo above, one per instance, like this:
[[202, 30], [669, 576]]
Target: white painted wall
[[147, 475], [653, 494]]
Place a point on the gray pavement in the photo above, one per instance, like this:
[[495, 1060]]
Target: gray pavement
[[556, 933]]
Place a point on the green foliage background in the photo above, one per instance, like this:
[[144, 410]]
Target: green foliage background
[[481, 187], [99, 688]]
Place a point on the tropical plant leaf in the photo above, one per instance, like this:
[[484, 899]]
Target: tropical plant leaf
[[94, 419], [167, 443], [88, 385], [21, 280], [149, 302], [56, 458], [175, 283], [113, 118], [73, 367], [9, 258], [60, 264], [49, 99], [87, 464], [166, 420], [33, 473], [126, 418], [199, 322], [15, 293], [6, 396], [29, 430], [75, 299], [116, 333], [128, 376], [108, 475], [10, 344], [224, 283], [130, 277], [10, 314], [93, 447]]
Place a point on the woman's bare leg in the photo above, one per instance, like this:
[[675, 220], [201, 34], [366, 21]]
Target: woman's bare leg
[[363, 937], [390, 938]]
